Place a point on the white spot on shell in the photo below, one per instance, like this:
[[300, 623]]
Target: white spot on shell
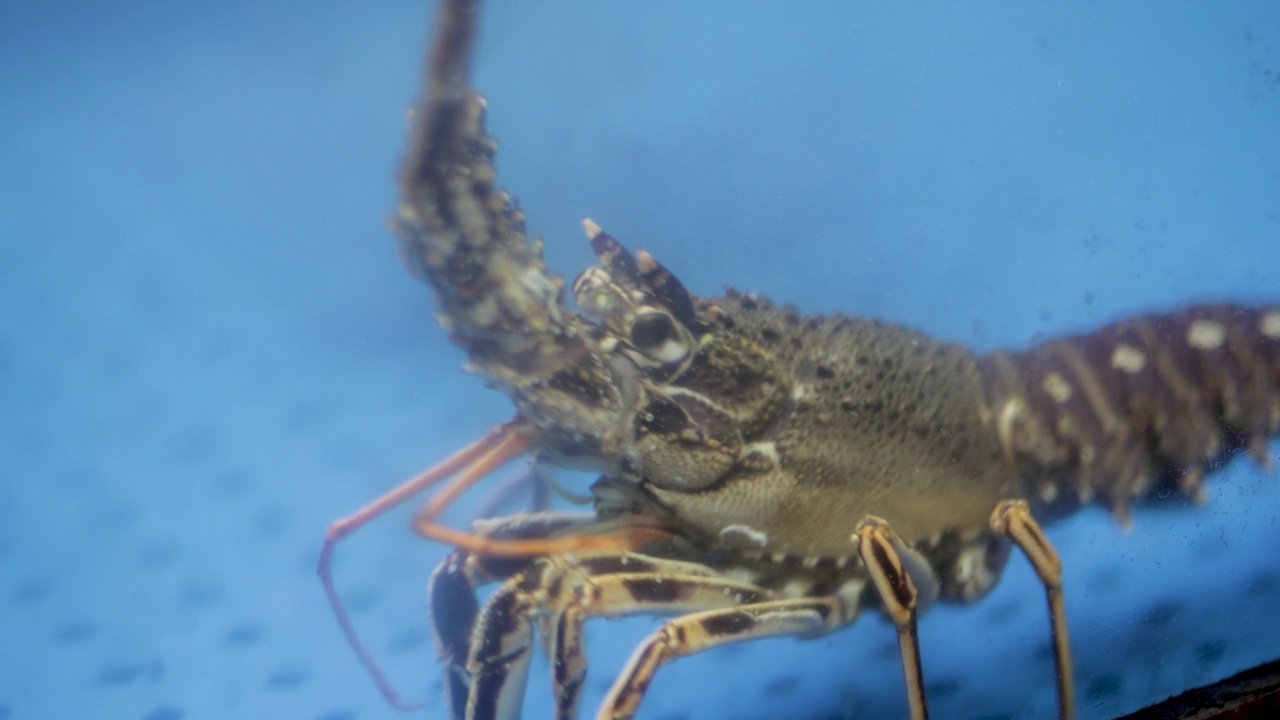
[[802, 392], [644, 261], [1128, 358], [1057, 387], [765, 448], [972, 573], [965, 567], [795, 589], [1206, 334], [750, 534], [1010, 412], [849, 594], [1270, 324], [1048, 493]]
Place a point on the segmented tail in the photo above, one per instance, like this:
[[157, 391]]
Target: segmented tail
[[1137, 407]]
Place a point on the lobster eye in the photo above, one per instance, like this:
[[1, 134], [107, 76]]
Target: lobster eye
[[654, 333], [650, 330]]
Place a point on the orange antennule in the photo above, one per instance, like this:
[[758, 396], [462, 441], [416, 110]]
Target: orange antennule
[[506, 449], [498, 446], [626, 538]]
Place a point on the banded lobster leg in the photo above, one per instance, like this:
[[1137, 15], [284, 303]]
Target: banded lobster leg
[[892, 569], [557, 594], [451, 591]]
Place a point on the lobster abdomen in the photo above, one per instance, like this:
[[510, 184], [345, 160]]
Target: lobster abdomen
[[1139, 406]]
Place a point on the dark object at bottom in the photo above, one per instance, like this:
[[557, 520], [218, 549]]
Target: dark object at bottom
[[1254, 693]]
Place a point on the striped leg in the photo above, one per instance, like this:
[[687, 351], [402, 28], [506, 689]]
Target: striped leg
[[896, 570], [559, 593], [1013, 518], [451, 592], [688, 634], [451, 595]]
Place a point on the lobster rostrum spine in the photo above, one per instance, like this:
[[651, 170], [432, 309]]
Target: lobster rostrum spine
[[788, 470]]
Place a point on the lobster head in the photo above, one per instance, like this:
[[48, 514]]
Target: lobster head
[[662, 390]]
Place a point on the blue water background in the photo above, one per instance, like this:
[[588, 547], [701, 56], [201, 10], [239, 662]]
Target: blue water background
[[208, 348]]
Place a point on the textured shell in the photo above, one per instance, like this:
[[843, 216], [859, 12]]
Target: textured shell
[[881, 420]]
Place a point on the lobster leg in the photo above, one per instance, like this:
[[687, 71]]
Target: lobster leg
[[884, 554], [451, 595], [451, 592], [688, 634], [1013, 519], [560, 593]]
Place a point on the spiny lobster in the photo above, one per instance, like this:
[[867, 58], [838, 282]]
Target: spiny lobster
[[763, 472]]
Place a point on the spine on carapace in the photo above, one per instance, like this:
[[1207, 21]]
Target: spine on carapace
[[1139, 406]]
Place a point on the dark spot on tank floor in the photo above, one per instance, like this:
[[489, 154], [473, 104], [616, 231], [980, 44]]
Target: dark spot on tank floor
[[118, 674], [244, 635], [5, 711], [198, 595], [1265, 583], [1106, 580], [1044, 650], [408, 640], [1103, 686], [288, 678], [1003, 613], [270, 522], [784, 686], [886, 652], [115, 674], [111, 518], [32, 591], [1211, 651], [157, 555], [734, 650], [940, 689], [305, 417], [196, 446], [77, 478], [1161, 616], [232, 484], [165, 712], [71, 633], [358, 601]]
